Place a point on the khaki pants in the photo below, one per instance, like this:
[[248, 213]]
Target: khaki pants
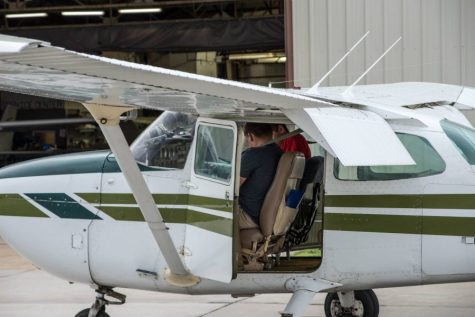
[[245, 221]]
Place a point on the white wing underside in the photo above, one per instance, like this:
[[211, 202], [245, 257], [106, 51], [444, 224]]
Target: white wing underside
[[32, 67]]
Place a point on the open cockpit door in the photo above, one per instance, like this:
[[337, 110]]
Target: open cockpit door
[[209, 231]]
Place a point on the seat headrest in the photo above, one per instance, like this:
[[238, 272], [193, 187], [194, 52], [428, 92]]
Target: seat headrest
[[298, 166], [313, 172]]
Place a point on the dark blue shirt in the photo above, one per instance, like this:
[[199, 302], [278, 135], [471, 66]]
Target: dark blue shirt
[[258, 166]]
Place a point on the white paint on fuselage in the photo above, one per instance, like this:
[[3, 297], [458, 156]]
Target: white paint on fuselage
[[47, 243]]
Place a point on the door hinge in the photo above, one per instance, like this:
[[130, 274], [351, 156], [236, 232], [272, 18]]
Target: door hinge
[[227, 196]]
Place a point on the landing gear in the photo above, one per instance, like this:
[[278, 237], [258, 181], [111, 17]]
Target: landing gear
[[352, 304], [85, 313], [98, 309]]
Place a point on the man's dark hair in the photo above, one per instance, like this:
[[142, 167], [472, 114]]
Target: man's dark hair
[[258, 129]]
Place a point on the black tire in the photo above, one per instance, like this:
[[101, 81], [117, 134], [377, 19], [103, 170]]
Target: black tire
[[85, 313], [368, 299]]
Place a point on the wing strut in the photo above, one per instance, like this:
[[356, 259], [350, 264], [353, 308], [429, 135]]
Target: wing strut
[[108, 118]]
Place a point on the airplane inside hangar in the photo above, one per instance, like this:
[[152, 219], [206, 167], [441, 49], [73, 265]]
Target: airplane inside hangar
[[393, 105]]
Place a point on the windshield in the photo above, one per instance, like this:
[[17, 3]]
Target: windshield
[[166, 142], [462, 137]]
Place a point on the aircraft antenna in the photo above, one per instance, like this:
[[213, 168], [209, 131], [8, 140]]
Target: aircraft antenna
[[337, 63], [374, 64]]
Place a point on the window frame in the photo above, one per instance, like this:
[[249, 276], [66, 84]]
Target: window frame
[[232, 163]]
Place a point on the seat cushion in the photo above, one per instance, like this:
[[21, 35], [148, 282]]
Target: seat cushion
[[250, 235]]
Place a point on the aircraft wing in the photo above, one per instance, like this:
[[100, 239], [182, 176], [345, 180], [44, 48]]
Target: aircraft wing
[[393, 95], [33, 67], [393, 101], [37, 68]]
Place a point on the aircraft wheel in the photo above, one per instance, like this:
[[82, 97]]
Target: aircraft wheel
[[366, 305], [85, 313]]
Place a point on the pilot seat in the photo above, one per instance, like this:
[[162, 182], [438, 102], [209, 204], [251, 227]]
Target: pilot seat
[[275, 217]]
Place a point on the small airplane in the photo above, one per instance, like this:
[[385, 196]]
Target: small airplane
[[394, 204]]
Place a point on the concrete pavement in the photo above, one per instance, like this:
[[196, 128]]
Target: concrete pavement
[[28, 292]]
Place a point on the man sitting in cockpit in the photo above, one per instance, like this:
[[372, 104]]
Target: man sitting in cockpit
[[258, 166]]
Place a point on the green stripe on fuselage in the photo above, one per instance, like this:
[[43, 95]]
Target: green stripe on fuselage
[[449, 201], [175, 215], [62, 205], [16, 205], [428, 201], [211, 203], [123, 213], [372, 223], [449, 226], [160, 199], [92, 198], [66, 207], [429, 225], [374, 201]]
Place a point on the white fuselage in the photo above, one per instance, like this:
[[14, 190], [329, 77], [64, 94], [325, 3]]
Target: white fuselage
[[395, 236]]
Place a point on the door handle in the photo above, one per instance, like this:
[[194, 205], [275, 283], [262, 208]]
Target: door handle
[[188, 184]]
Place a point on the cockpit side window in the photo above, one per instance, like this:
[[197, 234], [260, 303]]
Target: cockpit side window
[[166, 142], [462, 137], [428, 162], [214, 152]]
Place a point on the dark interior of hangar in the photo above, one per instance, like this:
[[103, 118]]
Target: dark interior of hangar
[[32, 127], [95, 26]]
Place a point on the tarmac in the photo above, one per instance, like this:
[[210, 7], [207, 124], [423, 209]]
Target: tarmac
[[28, 292]]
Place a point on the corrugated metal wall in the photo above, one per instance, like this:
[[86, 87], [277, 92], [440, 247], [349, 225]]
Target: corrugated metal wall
[[438, 42]]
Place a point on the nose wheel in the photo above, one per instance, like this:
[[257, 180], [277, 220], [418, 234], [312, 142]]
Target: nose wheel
[[98, 308], [352, 304]]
